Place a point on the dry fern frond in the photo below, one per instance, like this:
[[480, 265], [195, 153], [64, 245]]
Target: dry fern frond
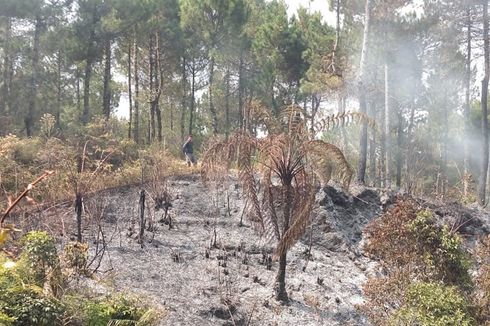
[[324, 156], [343, 119], [262, 115], [300, 218]]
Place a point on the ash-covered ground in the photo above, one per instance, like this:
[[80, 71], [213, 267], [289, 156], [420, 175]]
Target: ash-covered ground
[[208, 270]]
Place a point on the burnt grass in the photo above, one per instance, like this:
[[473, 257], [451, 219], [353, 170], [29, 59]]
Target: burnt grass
[[208, 270]]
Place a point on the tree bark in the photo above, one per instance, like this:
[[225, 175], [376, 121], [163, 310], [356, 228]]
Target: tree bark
[[88, 68], [372, 148], [5, 92], [183, 101], [106, 104], [59, 85], [241, 89], [136, 94], [399, 152], [466, 112], [484, 108], [280, 286], [212, 109], [78, 211], [31, 110], [387, 132], [193, 93], [152, 71], [227, 104], [362, 94], [130, 124]]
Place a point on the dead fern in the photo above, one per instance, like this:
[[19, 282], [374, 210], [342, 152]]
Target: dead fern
[[279, 175]]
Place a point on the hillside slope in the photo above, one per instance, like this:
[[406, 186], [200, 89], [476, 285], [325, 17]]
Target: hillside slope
[[207, 270]]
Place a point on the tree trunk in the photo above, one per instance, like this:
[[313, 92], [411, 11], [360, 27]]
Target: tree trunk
[[152, 71], [227, 104], [280, 286], [212, 109], [362, 94], [337, 37], [158, 83], [136, 94], [106, 104], [88, 69], [387, 132], [410, 151], [372, 148], [183, 101], [78, 211], [466, 112], [130, 124], [142, 217], [31, 110], [484, 108], [5, 91], [399, 152], [193, 91], [59, 62], [240, 90]]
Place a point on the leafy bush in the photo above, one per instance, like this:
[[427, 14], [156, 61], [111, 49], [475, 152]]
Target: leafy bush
[[412, 247], [121, 310], [482, 293], [39, 256], [28, 306], [432, 304]]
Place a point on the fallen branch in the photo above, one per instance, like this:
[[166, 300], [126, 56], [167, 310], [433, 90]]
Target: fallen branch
[[23, 194]]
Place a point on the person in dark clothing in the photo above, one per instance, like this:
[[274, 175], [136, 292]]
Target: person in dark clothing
[[189, 151]]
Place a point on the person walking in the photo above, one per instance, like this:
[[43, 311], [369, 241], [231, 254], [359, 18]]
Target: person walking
[[189, 151]]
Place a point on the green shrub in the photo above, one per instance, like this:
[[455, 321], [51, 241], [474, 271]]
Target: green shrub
[[28, 306], [39, 256], [104, 311], [431, 304]]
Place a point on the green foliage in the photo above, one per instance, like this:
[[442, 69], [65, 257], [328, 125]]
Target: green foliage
[[76, 256], [39, 256], [28, 306], [116, 310], [433, 304], [413, 247]]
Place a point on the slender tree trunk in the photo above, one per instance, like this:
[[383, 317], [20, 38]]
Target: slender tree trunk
[[142, 217], [193, 93], [382, 148], [172, 108], [59, 63], [31, 110], [152, 70], [372, 148], [78, 93], [337, 37], [280, 286], [88, 69], [5, 91], [362, 94], [466, 112], [241, 89], [136, 94], [387, 129], [410, 150], [212, 109], [78, 211], [183, 101], [159, 83], [106, 105], [444, 154], [227, 104], [130, 91], [484, 107], [399, 153]]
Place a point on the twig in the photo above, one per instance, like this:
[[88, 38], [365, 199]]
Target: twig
[[23, 194]]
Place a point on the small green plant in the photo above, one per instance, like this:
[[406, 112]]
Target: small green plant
[[39, 256], [432, 304], [414, 248]]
